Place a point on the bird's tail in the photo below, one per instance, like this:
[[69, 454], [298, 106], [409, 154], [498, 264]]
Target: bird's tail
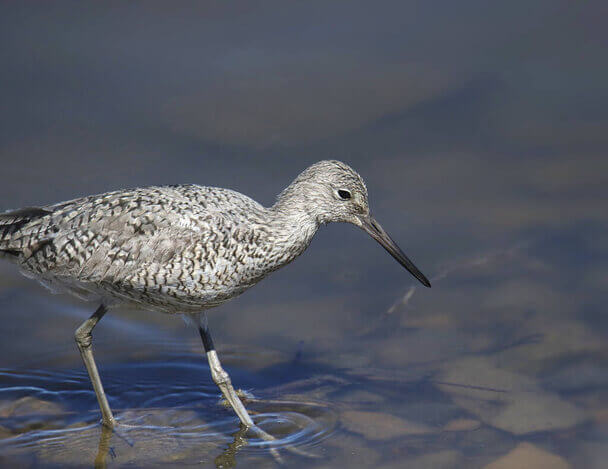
[[12, 224]]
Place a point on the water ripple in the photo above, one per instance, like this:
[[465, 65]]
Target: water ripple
[[167, 410]]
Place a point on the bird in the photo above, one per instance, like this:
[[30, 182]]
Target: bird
[[181, 249]]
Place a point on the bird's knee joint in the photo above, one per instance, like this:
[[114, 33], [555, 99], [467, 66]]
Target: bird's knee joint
[[83, 338], [220, 377], [109, 423]]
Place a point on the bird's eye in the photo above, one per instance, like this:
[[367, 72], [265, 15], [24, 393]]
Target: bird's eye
[[344, 195]]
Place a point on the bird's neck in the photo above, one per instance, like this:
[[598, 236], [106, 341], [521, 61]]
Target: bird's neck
[[293, 226], [297, 202]]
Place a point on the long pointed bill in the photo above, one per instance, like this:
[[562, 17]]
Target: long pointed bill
[[377, 232]]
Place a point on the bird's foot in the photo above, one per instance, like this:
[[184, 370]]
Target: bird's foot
[[244, 395], [120, 430], [258, 432]]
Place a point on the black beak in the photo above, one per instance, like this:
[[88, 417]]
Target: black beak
[[377, 232]]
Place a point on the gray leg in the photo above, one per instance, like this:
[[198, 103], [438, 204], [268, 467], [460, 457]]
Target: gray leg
[[221, 378], [84, 341]]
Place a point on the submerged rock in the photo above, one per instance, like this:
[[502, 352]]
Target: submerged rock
[[506, 400], [381, 426], [526, 455], [446, 459], [29, 405], [461, 425], [550, 342], [349, 451], [361, 397], [28, 413]]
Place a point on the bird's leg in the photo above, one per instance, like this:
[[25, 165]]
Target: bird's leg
[[221, 378], [84, 341]]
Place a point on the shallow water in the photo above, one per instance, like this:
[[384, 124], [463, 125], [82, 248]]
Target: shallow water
[[165, 417], [414, 386], [481, 132]]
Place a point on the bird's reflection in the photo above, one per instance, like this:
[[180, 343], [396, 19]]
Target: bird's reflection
[[226, 459], [228, 456], [104, 448]]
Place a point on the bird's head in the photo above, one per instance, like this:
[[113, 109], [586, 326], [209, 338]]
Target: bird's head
[[331, 191]]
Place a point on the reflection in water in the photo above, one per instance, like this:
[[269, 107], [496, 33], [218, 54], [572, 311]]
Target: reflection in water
[[132, 435], [104, 448], [227, 458], [50, 414]]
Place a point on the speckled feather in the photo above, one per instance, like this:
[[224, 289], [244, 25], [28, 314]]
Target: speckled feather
[[175, 249]]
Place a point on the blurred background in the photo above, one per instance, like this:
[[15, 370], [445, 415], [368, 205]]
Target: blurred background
[[481, 129]]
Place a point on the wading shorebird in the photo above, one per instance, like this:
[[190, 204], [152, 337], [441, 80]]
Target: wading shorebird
[[181, 249]]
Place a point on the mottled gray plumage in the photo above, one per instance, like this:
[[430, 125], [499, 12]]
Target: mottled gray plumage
[[176, 249], [180, 249]]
